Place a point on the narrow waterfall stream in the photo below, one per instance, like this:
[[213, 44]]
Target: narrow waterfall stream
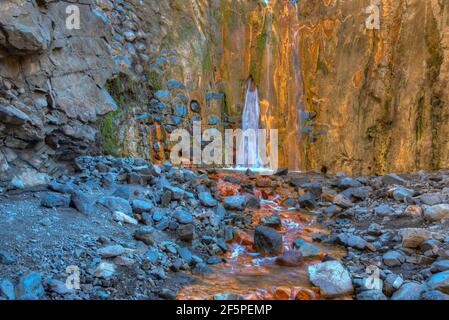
[[248, 155]]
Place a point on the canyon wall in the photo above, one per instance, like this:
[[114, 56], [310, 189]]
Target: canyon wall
[[51, 80], [344, 98]]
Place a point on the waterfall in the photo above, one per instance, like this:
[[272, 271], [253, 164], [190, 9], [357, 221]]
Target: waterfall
[[249, 158]]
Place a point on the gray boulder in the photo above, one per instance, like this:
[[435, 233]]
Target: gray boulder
[[436, 212], [235, 203], [439, 281], [116, 204], [267, 240], [207, 200], [332, 278], [52, 200], [30, 287], [409, 291]]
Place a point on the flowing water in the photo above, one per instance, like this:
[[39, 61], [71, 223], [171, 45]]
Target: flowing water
[[252, 276], [248, 153]]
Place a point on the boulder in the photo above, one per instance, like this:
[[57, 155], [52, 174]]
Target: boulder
[[267, 240], [7, 289], [393, 258], [252, 202], [436, 212], [112, 251], [402, 194], [52, 200], [307, 201], [439, 281], [6, 257], [413, 237], [431, 199], [141, 205], [183, 216], [392, 179], [440, 266], [81, 202], [307, 250], [235, 203], [332, 278], [207, 200], [186, 232], [434, 295], [409, 291], [272, 221], [342, 201], [291, 258], [354, 241], [372, 295], [105, 270], [30, 287], [116, 204], [148, 235]]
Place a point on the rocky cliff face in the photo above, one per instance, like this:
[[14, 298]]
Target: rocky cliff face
[[343, 97], [374, 100], [51, 80]]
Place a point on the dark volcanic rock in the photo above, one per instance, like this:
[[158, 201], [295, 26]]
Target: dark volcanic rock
[[52, 200], [307, 201], [272, 221], [142, 205], [235, 203], [267, 240], [252, 202], [148, 235], [183, 216], [6, 257], [207, 200], [30, 287], [291, 258], [82, 202]]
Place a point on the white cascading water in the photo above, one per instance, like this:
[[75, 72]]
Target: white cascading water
[[249, 158]]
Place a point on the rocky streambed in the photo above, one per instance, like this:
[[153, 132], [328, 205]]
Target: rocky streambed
[[128, 229]]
